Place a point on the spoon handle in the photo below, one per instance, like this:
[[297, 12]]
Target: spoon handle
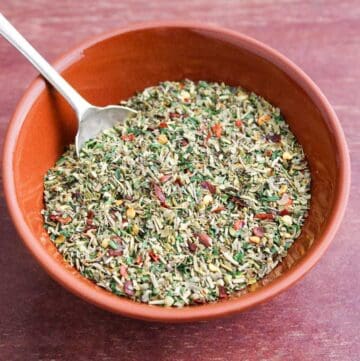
[[78, 103]]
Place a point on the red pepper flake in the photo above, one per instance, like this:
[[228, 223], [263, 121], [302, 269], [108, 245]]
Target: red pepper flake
[[128, 137], [208, 136], [89, 227], [116, 252], [153, 256], [239, 123], [117, 239], [222, 292], [238, 224], [284, 212], [268, 152], [60, 219], [89, 224], [259, 231], [160, 195], [192, 246], [139, 259], [217, 130], [238, 201], [174, 115], [285, 200], [165, 178], [123, 271], [210, 187], [204, 239], [54, 217], [129, 288], [89, 220], [218, 209], [199, 301], [265, 216], [184, 142], [120, 250], [113, 213], [275, 138], [178, 182], [65, 220], [76, 195], [163, 125]]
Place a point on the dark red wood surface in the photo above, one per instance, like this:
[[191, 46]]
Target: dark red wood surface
[[317, 319]]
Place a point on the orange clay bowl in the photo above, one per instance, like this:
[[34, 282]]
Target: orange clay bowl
[[114, 66]]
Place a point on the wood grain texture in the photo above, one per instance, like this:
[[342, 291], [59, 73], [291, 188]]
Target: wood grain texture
[[318, 319]]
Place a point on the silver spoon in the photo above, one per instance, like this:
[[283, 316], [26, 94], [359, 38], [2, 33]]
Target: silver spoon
[[91, 119]]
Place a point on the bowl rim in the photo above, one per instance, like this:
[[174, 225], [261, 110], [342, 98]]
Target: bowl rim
[[125, 307]]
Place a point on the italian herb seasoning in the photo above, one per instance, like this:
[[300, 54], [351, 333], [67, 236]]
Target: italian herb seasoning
[[198, 196]]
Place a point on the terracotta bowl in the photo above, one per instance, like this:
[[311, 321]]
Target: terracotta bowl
[[113, 66]]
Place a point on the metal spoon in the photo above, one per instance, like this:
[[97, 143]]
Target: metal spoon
[[91, 119]]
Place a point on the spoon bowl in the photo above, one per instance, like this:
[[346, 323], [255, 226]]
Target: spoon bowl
[[97, 119]]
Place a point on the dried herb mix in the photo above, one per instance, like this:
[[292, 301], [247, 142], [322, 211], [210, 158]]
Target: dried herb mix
[[196, 197]]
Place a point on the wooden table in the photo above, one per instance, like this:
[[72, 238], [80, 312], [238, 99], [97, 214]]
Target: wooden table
[[318, 319]]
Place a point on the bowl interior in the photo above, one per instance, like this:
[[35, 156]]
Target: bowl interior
[[116, 67]]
